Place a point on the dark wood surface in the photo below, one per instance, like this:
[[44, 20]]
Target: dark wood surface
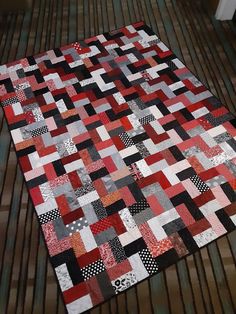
[[202, 283]]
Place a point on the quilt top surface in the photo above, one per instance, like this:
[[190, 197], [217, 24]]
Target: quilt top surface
[[129, 160]]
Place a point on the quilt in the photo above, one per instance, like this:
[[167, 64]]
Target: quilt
[[129, 160]]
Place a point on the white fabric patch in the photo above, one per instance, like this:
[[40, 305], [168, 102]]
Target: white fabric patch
[[74, 165], [144, 168], [64, 277], [119, 98], [80, 305], [88, 239], [127, 219], [88, 198], [17, 136], [129, 236], [102, 131], [205, 237], [138, 267], [210, 207], [61, 105], [157, 229], [17, 108]]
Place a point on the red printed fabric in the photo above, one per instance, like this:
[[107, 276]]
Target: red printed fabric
[[129, 160]]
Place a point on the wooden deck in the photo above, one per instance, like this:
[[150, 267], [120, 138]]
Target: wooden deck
[[202, 283]]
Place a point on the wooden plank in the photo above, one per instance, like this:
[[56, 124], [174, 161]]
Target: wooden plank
[[218, 56], [159, 294], [65, 23], [152, 21], [16, 37], [58, 23], [9, 36], [119, 18], [125, 12], [104, 308], [25, 259], [5, 279], [31, 269], [95, 17], [45, 27], [91, 18], [105, 20], [113, 305], [7, 189], [195, 285], [53, 18], [86, 19], [178, 28], [50, 305], [18, 256], [176, 302], [143, 12], [229, 266], [132, 302], [203, 51], [193, 62], [100, 17], [60, 305], [4, 148], [185, 286], [219, 275], [30, 48], [96, 310], [232, 242], [203, 282], [229, 33], [210, 281], [169, 29], [143, 296], [121, 302], [80, 20], [110, 15], [72, 34], [134, 8], [39, 31], [40, 277], [159, 22]]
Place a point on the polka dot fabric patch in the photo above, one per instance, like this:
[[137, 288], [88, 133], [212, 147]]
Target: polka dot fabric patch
[[49, 216], [129, 160], [202, 186], [148, 261], [93, 269]]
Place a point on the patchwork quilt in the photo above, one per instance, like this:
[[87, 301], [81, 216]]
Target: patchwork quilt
[[129, 160]]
